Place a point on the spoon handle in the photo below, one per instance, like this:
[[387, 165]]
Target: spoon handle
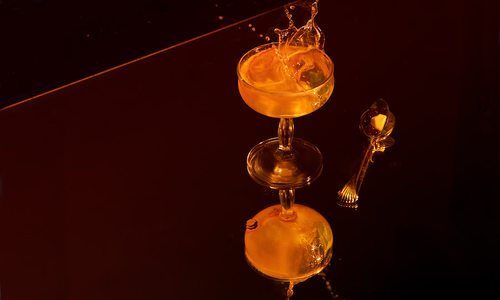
[[365, 162]]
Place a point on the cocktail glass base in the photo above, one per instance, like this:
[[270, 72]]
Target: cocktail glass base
[[271, 167]]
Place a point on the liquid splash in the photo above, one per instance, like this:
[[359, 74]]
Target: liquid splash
[[293, 77], [308, 41], [308, 36]]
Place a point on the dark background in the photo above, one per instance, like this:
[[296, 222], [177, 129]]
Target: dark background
[[445, 248], [47, 43]]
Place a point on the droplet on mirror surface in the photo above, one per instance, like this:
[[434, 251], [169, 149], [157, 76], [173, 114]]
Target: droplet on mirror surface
[[252, 224]]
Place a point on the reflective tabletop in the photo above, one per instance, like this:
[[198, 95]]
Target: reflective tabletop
[[132, 183]]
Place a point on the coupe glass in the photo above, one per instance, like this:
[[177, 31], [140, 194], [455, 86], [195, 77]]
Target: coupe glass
[[285, 83]]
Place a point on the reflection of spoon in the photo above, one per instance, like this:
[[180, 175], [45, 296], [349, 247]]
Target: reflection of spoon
[[377, 124]]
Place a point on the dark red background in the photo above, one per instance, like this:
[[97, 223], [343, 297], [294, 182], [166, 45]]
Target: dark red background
[[133, 185]]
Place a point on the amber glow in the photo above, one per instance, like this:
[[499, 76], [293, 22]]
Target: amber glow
[[289, 250], [292, 89]]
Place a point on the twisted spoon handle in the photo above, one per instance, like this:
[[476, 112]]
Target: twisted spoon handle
[[349, 194], [365, 162]]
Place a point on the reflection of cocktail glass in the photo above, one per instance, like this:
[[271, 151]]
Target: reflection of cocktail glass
[[285, 82], [288, 242]]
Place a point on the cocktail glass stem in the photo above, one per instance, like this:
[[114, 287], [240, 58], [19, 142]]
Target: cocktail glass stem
[[285, 135], [287, 199]]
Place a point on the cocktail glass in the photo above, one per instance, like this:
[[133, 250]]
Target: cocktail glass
[[285, 83]]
